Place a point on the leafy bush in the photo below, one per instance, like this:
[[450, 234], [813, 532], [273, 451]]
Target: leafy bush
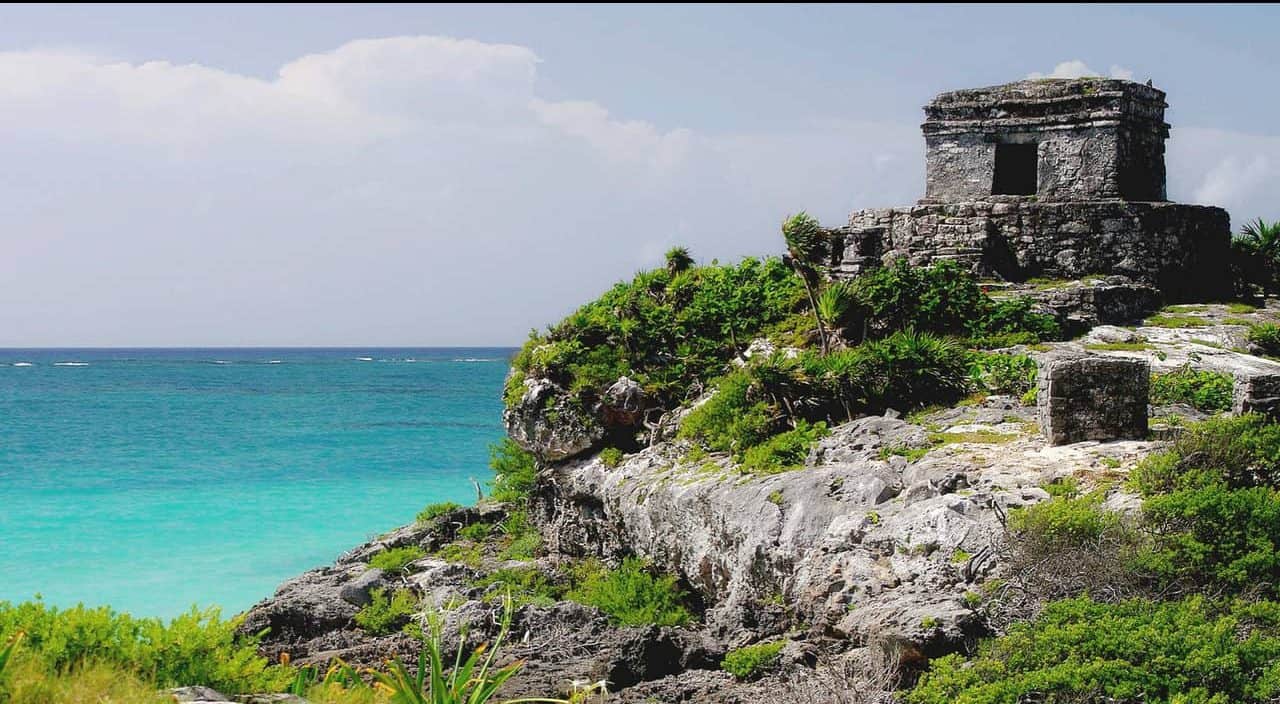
[[395, 560], [477, 532], [1135, 651], [1205, 390], [1011, 374], [515, 471], [433, 511], [910, 370], [1256, 256], [732, 420], [783, 451], [943, 299], [611, 457], [664, 330], [1063, 521], [1241, 451], [630, 594], [196, 648], [1267, 337], [524, 585], [751, 661], [522, 538], [387, 613], [1213, 536]]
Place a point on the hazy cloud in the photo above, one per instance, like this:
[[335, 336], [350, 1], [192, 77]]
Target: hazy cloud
[[1076, 68]]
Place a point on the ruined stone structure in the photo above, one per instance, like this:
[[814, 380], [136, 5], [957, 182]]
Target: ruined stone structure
[[1054, 178], [1094, 398]]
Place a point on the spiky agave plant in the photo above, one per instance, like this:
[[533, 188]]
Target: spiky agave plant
[[678, 260], [472, 680], [1259, 240]]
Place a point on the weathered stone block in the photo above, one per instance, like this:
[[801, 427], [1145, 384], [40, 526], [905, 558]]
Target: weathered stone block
[[1257, 393], [1094, 398]]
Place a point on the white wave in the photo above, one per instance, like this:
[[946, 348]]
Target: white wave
[[70, 364], [364, 359], [22, 364], [221, 361], [410, 360], [273, 361], [474, 359]]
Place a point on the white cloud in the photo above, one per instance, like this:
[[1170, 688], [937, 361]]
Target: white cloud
[[1076, 68], [625, 141]]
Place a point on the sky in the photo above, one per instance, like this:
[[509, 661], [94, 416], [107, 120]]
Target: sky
[[378, 175]]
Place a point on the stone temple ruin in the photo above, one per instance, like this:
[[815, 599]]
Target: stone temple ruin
[[1052, 178]]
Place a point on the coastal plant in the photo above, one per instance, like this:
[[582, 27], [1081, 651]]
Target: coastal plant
[[436, 510], [1204, 390], [997, 373], [630, 594], [1267, 338], [784, 451], [522, 585], [806, 246], [522, 540], [194, 648], [387, 611], [1256, 253], [395, 560], [515, 471], [678, 260], [611, 457], [751, 661]]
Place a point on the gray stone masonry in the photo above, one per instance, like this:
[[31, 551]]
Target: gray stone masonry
[[1257, 393], [1094, 398]]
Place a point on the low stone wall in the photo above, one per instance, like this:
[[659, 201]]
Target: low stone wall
[[1181, 249]]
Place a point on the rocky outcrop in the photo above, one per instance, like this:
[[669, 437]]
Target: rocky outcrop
[[861, 543], [550, 423]]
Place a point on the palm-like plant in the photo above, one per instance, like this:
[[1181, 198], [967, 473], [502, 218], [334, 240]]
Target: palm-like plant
[[471, 680], [806, 245], [678, 260], [835, 302], [1259, 242]]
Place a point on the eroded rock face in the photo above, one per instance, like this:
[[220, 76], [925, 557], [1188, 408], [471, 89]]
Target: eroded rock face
[[862, 542], [550, 423]]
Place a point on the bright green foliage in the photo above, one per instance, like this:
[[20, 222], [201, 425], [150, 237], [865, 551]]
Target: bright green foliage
[[476, 531], [786, 450], [611, 457], [1267, 337], [1176, 321], [910, 370], [751, 661], [1215, 536], [196, 648], [631, 595], [522, 538], [1011, 374], [1205, 390], [515, 471], [433, 511], [1136, 651], [732, 420], [524, 585], [1241, 451], [387, 613], [466, 553], [1063, 521], [1064, 488], [454, 680], [6, 653], [836, 303], [678, 260], [663, 330], [395, 560], [944, 299]]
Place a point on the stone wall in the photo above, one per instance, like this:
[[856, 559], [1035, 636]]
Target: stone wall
[[1096, 139], [1094, 398], [1181, 249]]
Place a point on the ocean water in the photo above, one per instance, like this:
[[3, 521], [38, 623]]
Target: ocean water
[[154, 480]]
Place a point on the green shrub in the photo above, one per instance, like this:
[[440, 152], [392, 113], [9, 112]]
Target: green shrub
[[522, 537], [662, 329], [433, 511], [1011, 374], [1240, 451], [732, 420], [387, 613], [395, 560], [1063, 521], [1205, 390], [196, 648], [524, 585], [477, 532], [783, 451], [910, 370], [611, 457], [630, 594], [1135, 651], [1215, 537], [1267, 337], [943, 299], [751, 661], [515, 471]]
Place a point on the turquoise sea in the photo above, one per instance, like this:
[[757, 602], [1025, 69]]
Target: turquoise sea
[[155, 479]]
